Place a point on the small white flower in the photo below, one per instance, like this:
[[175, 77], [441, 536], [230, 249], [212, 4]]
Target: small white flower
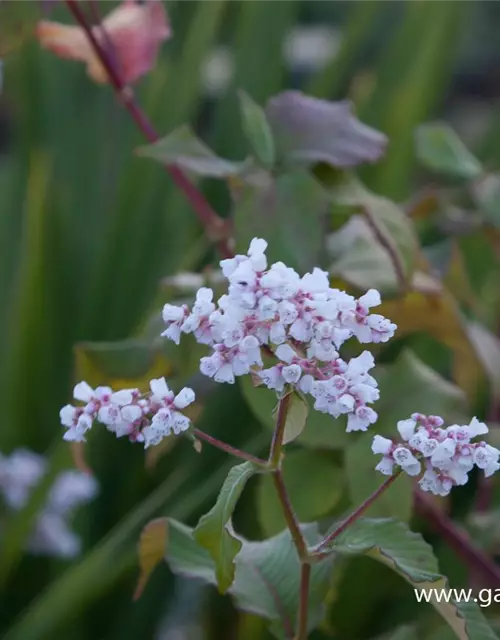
[[406, 428], [184, 398], [385, 466], [291, 373], [160, 391], [381, 445], [406, 460], [83, 392]]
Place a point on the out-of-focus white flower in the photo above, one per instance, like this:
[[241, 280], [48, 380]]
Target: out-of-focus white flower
[[446, 455], [20, 473]]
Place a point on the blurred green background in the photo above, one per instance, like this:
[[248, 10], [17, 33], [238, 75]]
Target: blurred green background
[[88, 231]]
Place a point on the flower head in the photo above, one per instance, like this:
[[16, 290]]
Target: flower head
[[300, 319], [143, 418], [446, 456]]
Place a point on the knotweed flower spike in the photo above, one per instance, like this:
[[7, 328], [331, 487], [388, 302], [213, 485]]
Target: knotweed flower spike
[[445, 456], [143, 418], [301, 320]]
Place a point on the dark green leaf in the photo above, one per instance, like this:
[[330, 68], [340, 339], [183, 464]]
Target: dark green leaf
[[288, 211], [309, 130], [183, 148], [267, 573], [256, 129], [214, 530], [409, 386], [441, 150], [393, 544], [314, 482], [382, 235], [296, 418]]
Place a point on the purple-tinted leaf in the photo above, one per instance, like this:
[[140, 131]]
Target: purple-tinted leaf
[[308, 130], [48, 5]]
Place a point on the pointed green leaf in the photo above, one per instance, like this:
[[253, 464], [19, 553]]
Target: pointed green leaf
[[441, 150], [393, 544], [214, 530], [183, 148], [382, 224], [267, 579], [257, 130], [295, 418]]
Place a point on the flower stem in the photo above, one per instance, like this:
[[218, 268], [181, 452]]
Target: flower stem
[[305, 578], [215, 226], [356, 514], [290, 517], [223, 446]]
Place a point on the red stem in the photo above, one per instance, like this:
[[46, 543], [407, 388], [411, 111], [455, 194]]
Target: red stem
[[290, 517], [305, 579], [357, 513], [458, 541], [214, 225], [223, 446]]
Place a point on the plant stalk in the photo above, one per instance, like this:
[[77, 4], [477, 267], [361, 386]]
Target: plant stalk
[[355, 515], [224, 446], [305, 579], [215, 227]]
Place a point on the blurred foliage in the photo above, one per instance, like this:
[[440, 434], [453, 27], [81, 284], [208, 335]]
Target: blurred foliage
[[88, 230]]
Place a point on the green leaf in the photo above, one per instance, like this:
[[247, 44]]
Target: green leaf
[[310, 130], [393, 544], [487, 348], [363, 480], [267, 573], [123, 364], [441, 150], [214, 530], [295, 418], [486, 192], [321, 430], [184, 149], [409, 386], [383, 225], [314, 482], [287, 210], [256, 129]]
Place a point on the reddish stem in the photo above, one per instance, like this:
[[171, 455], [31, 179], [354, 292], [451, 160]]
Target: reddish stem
[[279, 431], [290, 517], [357, 513], [305, 579], [214, 225], [458, 541], [224, 446]]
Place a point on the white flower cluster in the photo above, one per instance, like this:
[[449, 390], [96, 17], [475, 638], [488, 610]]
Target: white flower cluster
[[19, 474], [301, 320], [445, 455], [143, 418]]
